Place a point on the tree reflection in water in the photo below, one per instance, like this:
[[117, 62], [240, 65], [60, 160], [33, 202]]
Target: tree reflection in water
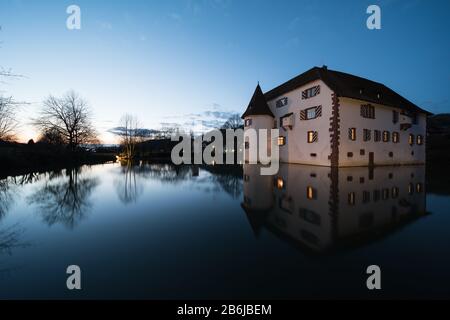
[[6, 197], [228, 178], [130, 184], [128, 187], [65, 197]]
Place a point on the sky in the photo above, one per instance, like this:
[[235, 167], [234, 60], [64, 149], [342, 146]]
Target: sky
[[196, 62]]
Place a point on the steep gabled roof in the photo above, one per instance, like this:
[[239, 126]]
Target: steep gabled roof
[[349, 86], [258, 105]]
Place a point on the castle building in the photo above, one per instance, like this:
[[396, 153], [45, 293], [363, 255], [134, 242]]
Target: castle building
[[335, 119]]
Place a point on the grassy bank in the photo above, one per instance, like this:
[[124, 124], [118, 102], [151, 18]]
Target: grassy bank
[[16, 159]]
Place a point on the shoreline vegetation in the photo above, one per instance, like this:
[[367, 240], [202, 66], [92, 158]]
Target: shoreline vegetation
[[18, 159]]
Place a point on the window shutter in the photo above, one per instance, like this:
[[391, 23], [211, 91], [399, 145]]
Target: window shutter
[[302, 114], [318, 110], [315, 136]]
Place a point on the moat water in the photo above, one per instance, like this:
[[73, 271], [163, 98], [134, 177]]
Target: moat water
[[158, 231]]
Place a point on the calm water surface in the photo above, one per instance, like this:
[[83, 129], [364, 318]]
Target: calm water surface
[[162, 232]]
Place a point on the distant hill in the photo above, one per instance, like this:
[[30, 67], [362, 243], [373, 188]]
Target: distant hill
[[439, 124]]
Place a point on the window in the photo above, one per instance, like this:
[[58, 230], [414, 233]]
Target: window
[[349, 154], [362, 152], [395, 192], [309, 216], [312, 136], [248, 122], [386, 136], [395, 137], [311, 193], [281, 141], [351, 198], [352, 134], [395, 116], [419, 188], [366, 196], [247, 145], [414, 118], [376, 195], [275, 123], [287, 121], [419, 140], [368, 111], [410, 188], [280, 184], [411, 139], [367, 135], [377, 135], [311, 92], [311, 113], [281, 102]]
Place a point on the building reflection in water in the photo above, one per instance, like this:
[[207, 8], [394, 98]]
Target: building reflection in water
[[322, 208]]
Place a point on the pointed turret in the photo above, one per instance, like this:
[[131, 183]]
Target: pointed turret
[[258, 105]]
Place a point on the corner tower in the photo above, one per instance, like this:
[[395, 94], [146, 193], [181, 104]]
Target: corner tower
[[258, 116]]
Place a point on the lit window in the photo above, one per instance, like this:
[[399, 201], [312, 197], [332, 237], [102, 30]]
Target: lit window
[[281, 141], [420, 140], [395, 137], [280, 183], [386, 136], [248, 122], [395, 192], [352, 134], [312, 136], [311, 193], [410, 188], [411, 139], [351, 198], [419, 188]]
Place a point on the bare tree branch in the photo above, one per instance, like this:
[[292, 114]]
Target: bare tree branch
[[69, 117]]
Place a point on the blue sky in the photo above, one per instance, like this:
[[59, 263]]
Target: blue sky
[[183, 61]]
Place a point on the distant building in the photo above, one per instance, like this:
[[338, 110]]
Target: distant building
[[335, 119]]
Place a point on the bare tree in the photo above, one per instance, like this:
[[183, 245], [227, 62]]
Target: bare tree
[[8, 121], [234, 122], [70, 116], [129, 134]]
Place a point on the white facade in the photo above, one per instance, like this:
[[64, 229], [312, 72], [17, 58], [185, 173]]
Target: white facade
[[332, 145], [385, 153]]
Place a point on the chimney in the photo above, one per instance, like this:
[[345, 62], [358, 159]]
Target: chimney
[[324, 67]]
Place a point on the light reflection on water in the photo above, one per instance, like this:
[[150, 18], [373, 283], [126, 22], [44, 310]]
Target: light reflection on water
[[164, 231]]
